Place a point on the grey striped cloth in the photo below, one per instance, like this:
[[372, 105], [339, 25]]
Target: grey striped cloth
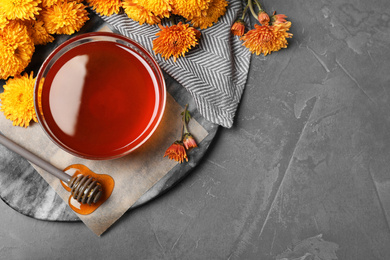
[[214, 73]]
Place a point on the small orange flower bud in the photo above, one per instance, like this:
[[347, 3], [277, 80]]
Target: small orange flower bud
[[238, 28], [278, 19], [263, 18], [189, 141]]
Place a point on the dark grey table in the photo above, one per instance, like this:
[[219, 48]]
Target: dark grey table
[[308, 155]]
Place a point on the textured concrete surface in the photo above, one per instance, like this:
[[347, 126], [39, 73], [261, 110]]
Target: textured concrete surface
[[303, 174]]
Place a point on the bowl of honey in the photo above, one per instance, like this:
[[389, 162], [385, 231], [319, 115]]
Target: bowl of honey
[[99, 96]]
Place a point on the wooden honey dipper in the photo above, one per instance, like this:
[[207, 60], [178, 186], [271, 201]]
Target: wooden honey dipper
[[84, 189]]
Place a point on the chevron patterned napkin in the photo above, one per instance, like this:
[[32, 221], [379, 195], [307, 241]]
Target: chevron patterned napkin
[[214, 72]]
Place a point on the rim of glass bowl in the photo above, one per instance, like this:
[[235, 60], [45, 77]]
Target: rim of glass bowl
[[96, 37]]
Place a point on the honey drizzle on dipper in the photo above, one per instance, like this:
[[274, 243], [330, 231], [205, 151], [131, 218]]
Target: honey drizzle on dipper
[[105, 180]]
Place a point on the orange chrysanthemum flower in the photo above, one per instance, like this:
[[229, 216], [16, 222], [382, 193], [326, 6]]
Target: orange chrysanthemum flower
[[161, 8], [17, 100], [238, 28], [176, 152], [106, 7], [20, 9], [38, 32], [266, 39], [190, 8], [216, 9], [189, 141], [16, 49], [64, 17], [139, 13], [175, 40]]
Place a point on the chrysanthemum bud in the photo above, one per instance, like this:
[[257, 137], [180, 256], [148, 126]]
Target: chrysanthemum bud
[[263, 18], [278, 19], [238, 28], [189, 141]]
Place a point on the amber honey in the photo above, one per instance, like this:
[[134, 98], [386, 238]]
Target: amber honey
[[99, 98], [105, 180]]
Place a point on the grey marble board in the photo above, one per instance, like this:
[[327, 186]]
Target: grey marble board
[[24, 190]]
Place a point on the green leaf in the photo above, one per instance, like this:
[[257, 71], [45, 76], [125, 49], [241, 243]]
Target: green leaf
[[186, 116]]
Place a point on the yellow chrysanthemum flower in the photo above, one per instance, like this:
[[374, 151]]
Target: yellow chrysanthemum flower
[[175, 40], [139, 14], [266, 39], [216, 9], [161, 8], [16, 49], [105, 7], [64, 17], [38, 32], [17, 100], [190, 8], [20, 9]]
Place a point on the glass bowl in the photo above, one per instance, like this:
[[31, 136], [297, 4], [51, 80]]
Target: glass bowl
[[99, 96]]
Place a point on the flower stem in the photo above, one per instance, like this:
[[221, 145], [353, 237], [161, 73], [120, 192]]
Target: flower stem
[[252, 10], [258, 5], [184, 120], [182, 134], [244, 12], [185, 128]]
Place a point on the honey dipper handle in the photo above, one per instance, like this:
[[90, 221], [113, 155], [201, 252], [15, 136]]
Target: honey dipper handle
[[34, 159]]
